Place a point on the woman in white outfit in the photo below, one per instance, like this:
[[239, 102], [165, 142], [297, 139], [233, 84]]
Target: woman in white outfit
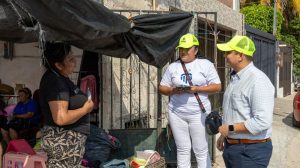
[[185, 116]]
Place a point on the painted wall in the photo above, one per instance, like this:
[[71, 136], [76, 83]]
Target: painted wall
[[228, 3], [227, 17], [25, 67]]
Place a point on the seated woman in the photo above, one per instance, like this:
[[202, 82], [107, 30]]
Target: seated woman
[[25, 116], [7, 114]]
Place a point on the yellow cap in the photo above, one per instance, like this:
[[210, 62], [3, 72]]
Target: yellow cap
[[242, 44], [188, 41]]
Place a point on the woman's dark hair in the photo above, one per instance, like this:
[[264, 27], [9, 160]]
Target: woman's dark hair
[[55, 52], [2, 103], [27, 91]]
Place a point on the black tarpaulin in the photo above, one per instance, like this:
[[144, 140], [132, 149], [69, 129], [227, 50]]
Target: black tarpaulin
[[157, 35], [10, 29], [91, 26]]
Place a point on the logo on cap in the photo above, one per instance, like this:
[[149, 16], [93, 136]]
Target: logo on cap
[[188, 41]]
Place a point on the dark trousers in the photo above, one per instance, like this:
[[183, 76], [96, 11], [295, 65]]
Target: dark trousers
[[247, 155]]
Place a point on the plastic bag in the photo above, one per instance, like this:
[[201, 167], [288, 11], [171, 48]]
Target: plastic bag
[[98, 146]]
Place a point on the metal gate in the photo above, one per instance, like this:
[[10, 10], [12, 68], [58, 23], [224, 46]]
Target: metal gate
[[285, 67], [264, 57], [128, 89], [130, 105]]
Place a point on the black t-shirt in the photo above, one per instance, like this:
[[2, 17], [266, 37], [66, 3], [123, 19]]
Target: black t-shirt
[[55, 87]]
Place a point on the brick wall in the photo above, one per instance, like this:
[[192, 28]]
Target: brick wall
[[227, 2]]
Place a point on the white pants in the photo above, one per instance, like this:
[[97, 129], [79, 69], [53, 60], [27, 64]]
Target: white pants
[[188, 132]]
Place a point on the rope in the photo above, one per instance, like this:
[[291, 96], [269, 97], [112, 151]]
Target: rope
[[21, 19], [41, 42]]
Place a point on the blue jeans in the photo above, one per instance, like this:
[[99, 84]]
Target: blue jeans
[[247, 155]]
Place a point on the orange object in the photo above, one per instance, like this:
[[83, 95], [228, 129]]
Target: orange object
[[133, 164]]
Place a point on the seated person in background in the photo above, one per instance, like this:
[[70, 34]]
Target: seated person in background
[[7, 113], [25, 116]]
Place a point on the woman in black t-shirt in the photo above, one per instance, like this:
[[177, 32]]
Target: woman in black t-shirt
[[64, 107]]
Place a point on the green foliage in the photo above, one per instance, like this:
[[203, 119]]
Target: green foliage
[[296, 62], [261, 17], [292, 37], [293, 41], [294, 26]]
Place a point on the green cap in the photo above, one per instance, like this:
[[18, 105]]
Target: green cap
[[242, 44], [188, 41]]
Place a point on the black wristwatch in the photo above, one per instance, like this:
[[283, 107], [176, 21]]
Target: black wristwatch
[[230, 128]]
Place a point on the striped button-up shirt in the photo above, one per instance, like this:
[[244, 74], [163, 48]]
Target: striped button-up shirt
[[249, 98]]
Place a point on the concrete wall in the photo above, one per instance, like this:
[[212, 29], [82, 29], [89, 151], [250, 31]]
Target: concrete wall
[[25, 67], [228, 3], [233, 4], [279, 90], [227, 17]]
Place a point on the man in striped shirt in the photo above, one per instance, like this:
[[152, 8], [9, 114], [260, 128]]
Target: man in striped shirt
[[248, 109]]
